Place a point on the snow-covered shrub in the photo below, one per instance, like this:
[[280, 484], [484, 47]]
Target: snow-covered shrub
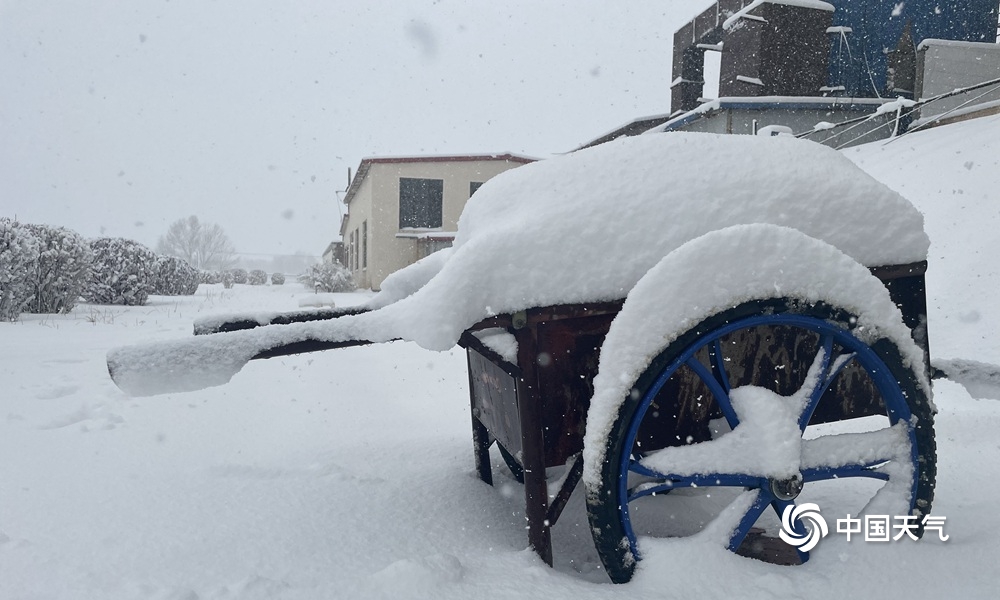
[[18, 259], [175, 277], [227, 279], [210, 277], [257, 277], [239, 275], [63, 269], [277, 279], [188, 283], [123, 272], [330, 277]]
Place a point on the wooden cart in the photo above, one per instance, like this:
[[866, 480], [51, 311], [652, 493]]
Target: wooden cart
[[534, 407], [682, 318]]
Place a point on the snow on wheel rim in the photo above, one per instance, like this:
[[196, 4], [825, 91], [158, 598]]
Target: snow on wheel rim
[[747, 262]]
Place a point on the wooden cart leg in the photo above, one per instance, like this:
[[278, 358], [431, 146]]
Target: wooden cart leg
[[480, 435], [481, 446], [536, 509], [536, 498]]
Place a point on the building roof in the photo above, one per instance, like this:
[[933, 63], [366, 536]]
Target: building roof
[[366, 164], [332, 246], [785, 103], [680, 119], [640, 125]]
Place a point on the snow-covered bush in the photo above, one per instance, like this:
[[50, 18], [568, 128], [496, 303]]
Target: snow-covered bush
[[257, 277], [227, 279], [189, 283], [330, 277], [210, 277], [277, 279], [123, 272], [239, 275], [175, 277], [63, 269], [18, 259]]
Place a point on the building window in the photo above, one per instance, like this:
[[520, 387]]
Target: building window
[[357, 242], [428, 247], [364, 244], [420, 203], [350, 253], [473, 186]]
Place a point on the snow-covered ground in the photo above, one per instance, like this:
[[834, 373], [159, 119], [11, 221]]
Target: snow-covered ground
[[349, 474]]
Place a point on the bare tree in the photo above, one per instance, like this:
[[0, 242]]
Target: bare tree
[[203, 245]]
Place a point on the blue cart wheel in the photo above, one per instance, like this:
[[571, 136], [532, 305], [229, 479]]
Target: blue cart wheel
[[696, 438]]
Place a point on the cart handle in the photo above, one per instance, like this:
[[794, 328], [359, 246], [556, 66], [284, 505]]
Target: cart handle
[[240, 322]]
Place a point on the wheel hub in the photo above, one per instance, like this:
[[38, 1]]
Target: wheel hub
[[787, 489]]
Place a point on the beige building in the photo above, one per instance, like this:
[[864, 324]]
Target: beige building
[[401, 209]]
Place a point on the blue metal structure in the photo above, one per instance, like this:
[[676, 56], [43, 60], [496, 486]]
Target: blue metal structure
[[867, 32]]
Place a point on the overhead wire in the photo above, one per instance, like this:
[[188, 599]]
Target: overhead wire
[[856, 122], [943, 115]]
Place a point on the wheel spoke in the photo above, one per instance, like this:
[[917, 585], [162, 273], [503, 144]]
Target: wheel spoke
[[780, 506], [636, 467], [817, 375], [822, 373], [718, 365], [662, 483], [760, 504], [855, 452], [720, 394], [649, 489], [838, 365], [826, 473]]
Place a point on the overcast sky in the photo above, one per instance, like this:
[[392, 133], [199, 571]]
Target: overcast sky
[[118, 117]]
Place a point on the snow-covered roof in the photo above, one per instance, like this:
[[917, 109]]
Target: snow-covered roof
[[929, 42], [830, 103], [746, 10], [633, 127], [367, 162], [585, 227]]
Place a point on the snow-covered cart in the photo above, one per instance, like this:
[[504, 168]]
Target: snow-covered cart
[[710, 332]]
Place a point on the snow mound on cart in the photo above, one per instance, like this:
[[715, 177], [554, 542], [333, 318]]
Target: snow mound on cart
[[579, 228], [586, 226]]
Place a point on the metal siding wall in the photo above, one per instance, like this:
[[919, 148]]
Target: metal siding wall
[[876, 29], [948, 67]]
